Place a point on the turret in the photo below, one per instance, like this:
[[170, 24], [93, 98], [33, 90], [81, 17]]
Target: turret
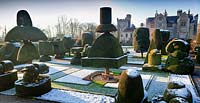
[[179, 12], [128, 17]]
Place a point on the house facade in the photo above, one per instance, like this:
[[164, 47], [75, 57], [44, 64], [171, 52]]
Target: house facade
[[125, 30], [183, 25]]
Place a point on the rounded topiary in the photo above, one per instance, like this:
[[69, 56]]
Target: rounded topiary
[[13, 49], [130, 88], [46, 48], [23, 18], [27, 52], [141, 40], [106, 46], [68, 43], [177, 90], [59, 49]]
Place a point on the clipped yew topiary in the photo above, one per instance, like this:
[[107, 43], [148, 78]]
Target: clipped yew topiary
[[68, 43], [106, 46], [130, 89], [165, 37], [87, 38], [141, 40], [178, 60], [156, 42], [45, 49]]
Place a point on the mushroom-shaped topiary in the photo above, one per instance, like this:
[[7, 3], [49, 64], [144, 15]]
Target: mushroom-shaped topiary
[[106, 51], [24, 31]]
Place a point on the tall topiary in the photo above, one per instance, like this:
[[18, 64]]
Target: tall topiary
[[68, 43], [155, 42], [165, 38], [141, 40]]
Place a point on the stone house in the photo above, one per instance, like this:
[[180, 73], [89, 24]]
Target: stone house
[[183, 25], [125, 30]]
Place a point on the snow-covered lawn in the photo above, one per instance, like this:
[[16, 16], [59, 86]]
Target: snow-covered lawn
[[75, 97]]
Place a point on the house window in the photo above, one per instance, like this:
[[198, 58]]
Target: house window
[[160, 18], [169, 25], [152, 25], [183, 23], [126, 35], [121, 35]]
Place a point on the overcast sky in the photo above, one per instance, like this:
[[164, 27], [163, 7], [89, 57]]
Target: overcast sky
[[46, 12]]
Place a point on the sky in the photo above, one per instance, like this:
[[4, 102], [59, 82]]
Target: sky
[[46, 12]]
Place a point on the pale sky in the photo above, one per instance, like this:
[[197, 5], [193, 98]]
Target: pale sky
[[46, 12]]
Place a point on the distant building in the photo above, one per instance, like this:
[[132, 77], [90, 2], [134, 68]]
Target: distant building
[[183, 25], [125, 30]]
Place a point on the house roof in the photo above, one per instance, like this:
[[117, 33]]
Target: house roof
[[128, 30]]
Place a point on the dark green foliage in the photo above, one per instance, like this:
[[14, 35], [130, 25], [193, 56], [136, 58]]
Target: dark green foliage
[[165, 38], [130, 89], [157, 39], [25, 33], [100, 62], [183, 66], [7, 80], [9, 52], [23, 18], [106, 46], [87, 38], [46, 48], [141, 39], [27, 52], [58, 47], [182, 45], [68, 43]]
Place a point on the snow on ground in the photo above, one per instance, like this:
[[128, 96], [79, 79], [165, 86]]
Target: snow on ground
[[186, 80], [145, 79], [9, 92], [74, 97], [129, 67], [59, 62], [76, 77], [54, 69]]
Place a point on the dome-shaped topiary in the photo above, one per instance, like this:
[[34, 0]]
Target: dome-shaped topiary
[[27, 52], [106, 46]]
